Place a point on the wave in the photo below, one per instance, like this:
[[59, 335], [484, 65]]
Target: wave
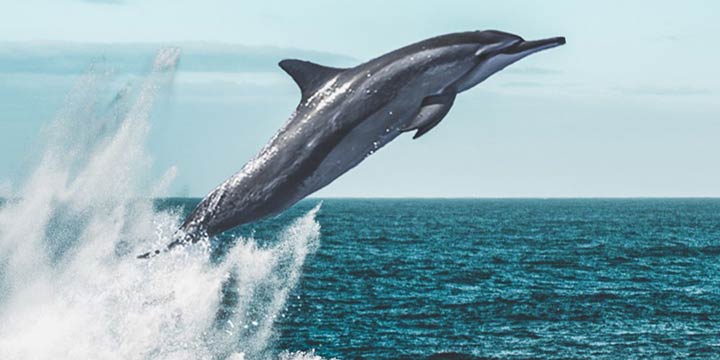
[[70, 285]]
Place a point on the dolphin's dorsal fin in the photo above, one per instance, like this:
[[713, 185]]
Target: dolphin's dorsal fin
[[308, 75], [433, 109]]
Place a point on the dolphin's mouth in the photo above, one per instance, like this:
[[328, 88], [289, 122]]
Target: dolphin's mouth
[[532, 46]]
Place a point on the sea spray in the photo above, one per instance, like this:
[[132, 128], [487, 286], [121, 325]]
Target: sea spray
[[70, 285]]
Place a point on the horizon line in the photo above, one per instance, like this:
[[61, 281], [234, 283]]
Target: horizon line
[[456, 198]]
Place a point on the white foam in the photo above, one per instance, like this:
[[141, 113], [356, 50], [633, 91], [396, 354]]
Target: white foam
[[70, 285], [5, 189]]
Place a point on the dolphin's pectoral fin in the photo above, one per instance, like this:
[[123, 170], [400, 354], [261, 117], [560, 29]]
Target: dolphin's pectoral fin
[[309, 76], [433, 109]]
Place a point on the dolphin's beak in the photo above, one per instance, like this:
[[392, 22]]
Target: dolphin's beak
[[529, 47]]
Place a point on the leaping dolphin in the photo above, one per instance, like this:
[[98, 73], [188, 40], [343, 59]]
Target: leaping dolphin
[[345, 115]]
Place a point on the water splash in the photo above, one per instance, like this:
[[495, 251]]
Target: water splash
[[70, 286]]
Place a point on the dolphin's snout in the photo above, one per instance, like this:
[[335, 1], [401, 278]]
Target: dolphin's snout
[[559, 40], [491, 58], [538, 45], [517, 45]]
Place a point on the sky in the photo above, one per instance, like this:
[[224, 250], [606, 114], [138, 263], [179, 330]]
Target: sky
[[627, 108]]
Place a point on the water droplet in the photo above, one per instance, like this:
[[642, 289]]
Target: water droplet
[[255, 323], [390, 113], [368, 74], [368, 91]]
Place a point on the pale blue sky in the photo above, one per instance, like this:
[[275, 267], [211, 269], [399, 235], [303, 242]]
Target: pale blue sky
[[629, 107]]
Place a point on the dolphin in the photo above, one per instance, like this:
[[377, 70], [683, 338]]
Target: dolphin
[[347, 114]]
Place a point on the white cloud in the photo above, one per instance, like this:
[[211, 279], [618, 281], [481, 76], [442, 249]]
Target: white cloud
[[111, 2], [74, 58]]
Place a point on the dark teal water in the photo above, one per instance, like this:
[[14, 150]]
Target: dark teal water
[[506, 279]]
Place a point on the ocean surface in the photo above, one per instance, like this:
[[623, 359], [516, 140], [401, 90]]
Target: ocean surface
[[505, 279]]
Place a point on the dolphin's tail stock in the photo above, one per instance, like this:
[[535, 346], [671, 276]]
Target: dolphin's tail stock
[[181, 237]]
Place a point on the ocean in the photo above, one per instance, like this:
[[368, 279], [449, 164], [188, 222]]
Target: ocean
[[369, 279], [505, 279]]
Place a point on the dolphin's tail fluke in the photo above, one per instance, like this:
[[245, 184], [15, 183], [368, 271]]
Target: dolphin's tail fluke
[[181, 238], [150, 254]]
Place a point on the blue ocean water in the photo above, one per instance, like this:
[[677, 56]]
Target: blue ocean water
[[505, 279]]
